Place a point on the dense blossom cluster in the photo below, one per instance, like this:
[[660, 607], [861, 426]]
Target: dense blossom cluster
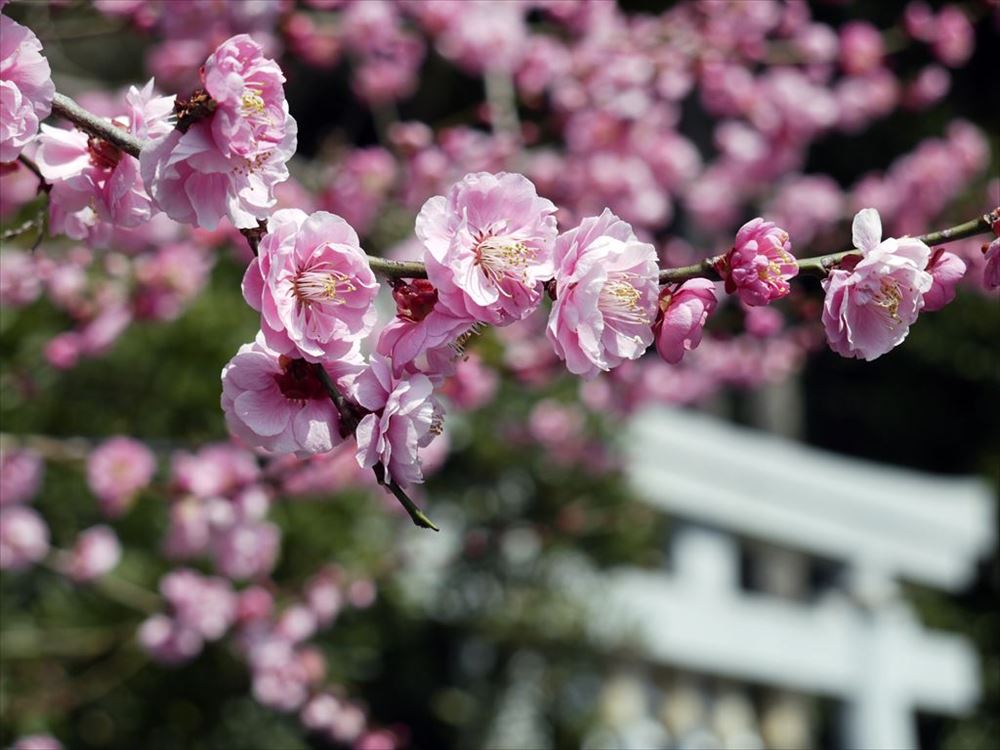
[[550, 233]]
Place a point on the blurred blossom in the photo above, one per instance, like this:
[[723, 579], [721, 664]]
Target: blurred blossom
[[117, 470], [20, 475], [216, 469], [167, 641], [246, 550], [96, 552], [24, 537], [203, 604], [861, 47], [37, 742]]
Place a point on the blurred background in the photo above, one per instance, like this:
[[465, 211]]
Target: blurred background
[[766, 546]]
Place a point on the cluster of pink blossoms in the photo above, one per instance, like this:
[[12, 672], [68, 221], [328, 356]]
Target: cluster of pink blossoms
[[26, 87]]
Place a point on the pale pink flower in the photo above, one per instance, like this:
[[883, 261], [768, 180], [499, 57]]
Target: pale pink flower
[[229, 163], [20, 476], [404, 418], [276, 403], [117, 470], [313, 286], [606, 291], [205, 604], [991, 272], [946, 270], [683, 312], [37, 742], [24, 537], [869, 308], [861, 47], [96, 552], [94, 185], [760, 263], [217, 469], [168, 641], [26, 87], [489, 246], [247, 549]]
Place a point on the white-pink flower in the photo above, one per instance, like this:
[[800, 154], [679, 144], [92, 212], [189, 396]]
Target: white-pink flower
[[227, 163], [606, 291], [489, 246], [26, 87], [869, 308], [312, 285], [277, 403], [24, 537], [96, 552], [404, 418], [117, 470], [94, 185], [683, 312]]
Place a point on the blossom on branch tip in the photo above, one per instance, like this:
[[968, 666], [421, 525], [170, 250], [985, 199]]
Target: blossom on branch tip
[[760, 263], [946, 270], [404, 418], [313, 286], [228, 162], [26, 87], [606, 292], [871, 303], [489, 246], [682, 316], [277, 403]]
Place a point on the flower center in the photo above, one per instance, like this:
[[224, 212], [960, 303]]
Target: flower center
[[322, 286], [888, 297], [251, 103], [619, 300], [298, 380], [503, 256]]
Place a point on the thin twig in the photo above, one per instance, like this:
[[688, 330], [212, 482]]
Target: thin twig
[[65, 107]]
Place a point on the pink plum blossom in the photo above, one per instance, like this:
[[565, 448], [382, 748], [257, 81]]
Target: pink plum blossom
[[228, 163], [991, 272], [277, 403], [26, 87], [861, 47], [94, 185], [606, 291], [404, 418], [869, 308], [683, 312], [117, 470], [24, 537], [760, 263], [313, 286], [168, 641], [37, 742], [946, 269], [205, 604], [489, 246], [96, 552], [20, 476], [247, 549]]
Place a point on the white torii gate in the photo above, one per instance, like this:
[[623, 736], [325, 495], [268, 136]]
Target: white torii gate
[[881, 523]]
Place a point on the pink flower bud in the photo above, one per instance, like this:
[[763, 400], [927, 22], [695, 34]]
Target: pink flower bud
[[760, 263], [683, 313], [946, 270]]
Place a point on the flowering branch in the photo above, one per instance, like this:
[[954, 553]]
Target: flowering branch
[[394, 269]]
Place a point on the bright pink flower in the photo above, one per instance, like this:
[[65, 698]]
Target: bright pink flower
[[946, 269], [24, 537], [489, 246], [405, 417], [26, 87], [229, 163], [277, 403], [423, 336], [117, 470], [683, 313], [313, 286], [861, 47], [869, 308], [96, 552], [606, 291], [20, 476], [760, 263], [991, 272], [94, 185]]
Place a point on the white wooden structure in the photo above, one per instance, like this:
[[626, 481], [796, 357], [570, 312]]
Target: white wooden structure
[[859, 642]]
